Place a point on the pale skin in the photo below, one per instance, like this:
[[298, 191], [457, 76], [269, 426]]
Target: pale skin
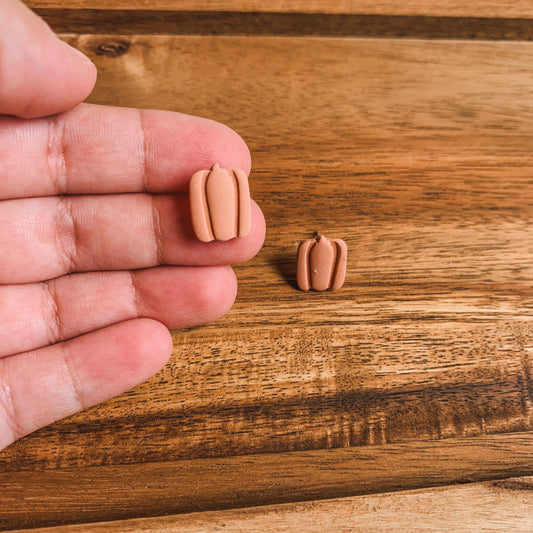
[[98, 257]]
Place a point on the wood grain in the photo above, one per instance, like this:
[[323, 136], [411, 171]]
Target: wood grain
[[422, 164], [485, 8], [287, 24], [486, 19], [502, 506], [54, 497], [419, 371]]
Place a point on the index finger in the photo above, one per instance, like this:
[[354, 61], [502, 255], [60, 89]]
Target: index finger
[[101, 150], [40, 75]]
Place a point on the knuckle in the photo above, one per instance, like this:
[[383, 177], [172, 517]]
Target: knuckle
[[8, 410], [52, 313], [66, 235], [56, 155]]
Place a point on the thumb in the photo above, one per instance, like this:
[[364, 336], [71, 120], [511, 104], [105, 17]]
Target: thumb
[[40, 75]]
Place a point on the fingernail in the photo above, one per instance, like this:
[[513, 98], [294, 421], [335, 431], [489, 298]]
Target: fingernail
[[78, 53]]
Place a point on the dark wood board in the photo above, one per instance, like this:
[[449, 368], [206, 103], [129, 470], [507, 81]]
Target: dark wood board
[[418, 154]]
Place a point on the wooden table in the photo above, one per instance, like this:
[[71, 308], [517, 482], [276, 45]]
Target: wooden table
[[404, 128]]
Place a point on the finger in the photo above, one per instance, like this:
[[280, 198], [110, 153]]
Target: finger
[[39, 314], [42, 386], [97, 149], [50, 237], [40, 74]]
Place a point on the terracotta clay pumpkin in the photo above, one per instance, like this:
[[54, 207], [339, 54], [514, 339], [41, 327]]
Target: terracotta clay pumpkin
[[220, 204], [321, 264]]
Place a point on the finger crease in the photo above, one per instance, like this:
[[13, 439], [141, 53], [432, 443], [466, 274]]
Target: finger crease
[[158, 236], [144, 173], [135, 294], [53, 316], [56, 159], [7, 406], [66, 233], [142, 151], [73, 380]]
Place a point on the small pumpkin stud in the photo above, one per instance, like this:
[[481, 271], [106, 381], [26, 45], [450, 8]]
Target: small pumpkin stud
[[321, 264], [220, 204]]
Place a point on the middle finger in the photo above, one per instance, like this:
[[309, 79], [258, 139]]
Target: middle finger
[[53, 236]]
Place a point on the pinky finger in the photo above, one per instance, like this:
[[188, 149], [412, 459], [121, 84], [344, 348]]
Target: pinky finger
[[45, 385]]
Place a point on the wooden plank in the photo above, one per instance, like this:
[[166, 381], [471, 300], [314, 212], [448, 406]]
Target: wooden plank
[[486, 19], [502, 506], [288, 24], [456, 8], [39, 498], [417, 154]]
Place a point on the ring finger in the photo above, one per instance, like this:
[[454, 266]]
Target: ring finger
[[39, 314]]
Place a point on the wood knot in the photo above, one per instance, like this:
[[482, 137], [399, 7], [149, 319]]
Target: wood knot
[[112, 48]]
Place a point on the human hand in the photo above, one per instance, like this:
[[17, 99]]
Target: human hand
[[98, 255]]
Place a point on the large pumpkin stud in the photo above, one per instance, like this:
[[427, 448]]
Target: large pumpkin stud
[[220, 204], [321, 264]]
